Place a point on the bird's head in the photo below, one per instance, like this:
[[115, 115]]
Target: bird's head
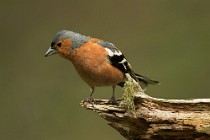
[[65, 42]]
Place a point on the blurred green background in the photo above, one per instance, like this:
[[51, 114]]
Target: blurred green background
[[39, 97]]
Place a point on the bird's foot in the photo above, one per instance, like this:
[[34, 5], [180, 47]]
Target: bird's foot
[[90, 100], [113, 101]]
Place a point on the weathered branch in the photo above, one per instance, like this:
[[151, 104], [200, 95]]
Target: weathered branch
[[157, 118]]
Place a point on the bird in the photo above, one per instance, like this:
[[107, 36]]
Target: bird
[[98, 62]]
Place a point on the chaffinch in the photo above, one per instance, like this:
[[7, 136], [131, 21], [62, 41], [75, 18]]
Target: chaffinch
[[98, 62]]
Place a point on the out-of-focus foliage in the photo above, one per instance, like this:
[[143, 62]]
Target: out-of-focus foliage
[[165, 40]]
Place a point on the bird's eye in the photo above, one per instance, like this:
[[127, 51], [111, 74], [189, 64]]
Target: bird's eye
[[59, 44]]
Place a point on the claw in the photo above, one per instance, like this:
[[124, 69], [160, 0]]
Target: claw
[[90, 100], [113, 101]]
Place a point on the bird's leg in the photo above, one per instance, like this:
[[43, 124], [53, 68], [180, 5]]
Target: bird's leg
[[90, 98], [113, 99]]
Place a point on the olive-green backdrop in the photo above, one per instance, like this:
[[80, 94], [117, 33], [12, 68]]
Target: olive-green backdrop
[[166, 40]]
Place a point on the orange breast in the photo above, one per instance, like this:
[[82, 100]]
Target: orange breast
[[91, 62]]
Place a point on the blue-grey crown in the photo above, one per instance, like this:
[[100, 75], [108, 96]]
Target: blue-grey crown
[[77, 39]]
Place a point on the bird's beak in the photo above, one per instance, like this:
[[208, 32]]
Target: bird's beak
[[50, 51]]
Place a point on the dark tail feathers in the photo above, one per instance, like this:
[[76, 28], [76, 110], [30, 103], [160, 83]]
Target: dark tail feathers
[[143, 81]]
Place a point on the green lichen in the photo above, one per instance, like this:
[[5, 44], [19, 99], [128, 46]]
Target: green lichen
[[130, 89]]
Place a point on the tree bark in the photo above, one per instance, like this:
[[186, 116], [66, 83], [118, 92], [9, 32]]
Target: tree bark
[[156, 118]]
